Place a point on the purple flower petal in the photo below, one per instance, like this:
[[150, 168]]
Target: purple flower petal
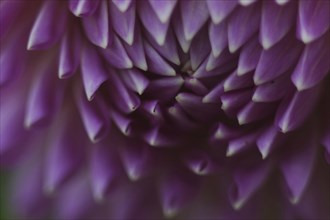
[[249, 57], [163, 9], [247, 181], [276, 22], [156, 28], [219, 10], [97, 27], [277, 60], [273, 90], [156, 63], [122, 5], [69, 58], [123, 22], [313, 65], [116, 55], [294, 110], [194, 14], [92, 71], [136, 52], [244, 21], [82, 8], [313, 20], [48, 27], [104, 170], [218, 37], [297, 166]]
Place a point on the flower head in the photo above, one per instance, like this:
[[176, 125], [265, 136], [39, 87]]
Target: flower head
[[161, 109]]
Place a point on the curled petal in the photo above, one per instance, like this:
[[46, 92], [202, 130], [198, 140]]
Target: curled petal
[[82, 8], [97, 27], [48, 27], [123, 22]]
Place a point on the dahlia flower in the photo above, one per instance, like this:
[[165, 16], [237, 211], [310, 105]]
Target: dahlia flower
[[157, 109]]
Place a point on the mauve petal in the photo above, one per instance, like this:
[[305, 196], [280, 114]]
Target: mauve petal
[[92, 71], [48, 26], [245, 21], [175, 190], [123, 22], [246, 2], [122, 5], [193, 106], [156, 63], [269, 139], [75, 201], [123, 123], [218, 37], [297, 165], [136, 50], [313, 19], [63, 155], [104, 169], [156, 28], [194, 14], [9, 11], [195, 85], [236, 82], [282, 2], [277, 60], [178, 29], [254, 112], [95, 121], [156, 137], [97, 27], [165, 88], [116, 55], [201, 163], [294, 109], [313, 65], [82, 8], [137, 160], [274, 90], [247, 181], [219, 10], [233, 101], [214, 94], [242, 143], [225, 132], [163, 9], [228, 66], [223, 63], [126, 100], [135, 80], [12, 130], [28, 197], [70, 51], [169, 49], [199, 49], [249, 57], [45, 95], [276, 21], [12, 58], [180, 118]]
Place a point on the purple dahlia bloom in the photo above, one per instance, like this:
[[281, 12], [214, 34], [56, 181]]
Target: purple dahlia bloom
[[160, 109]]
